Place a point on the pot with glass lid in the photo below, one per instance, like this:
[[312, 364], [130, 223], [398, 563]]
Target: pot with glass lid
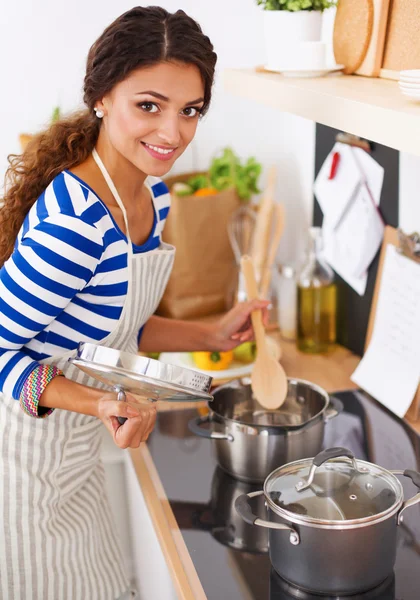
[[332, 521]]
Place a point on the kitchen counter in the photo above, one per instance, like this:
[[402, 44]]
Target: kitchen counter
[[190, 499]]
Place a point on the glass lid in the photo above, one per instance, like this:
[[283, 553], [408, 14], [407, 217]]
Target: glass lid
[[332, 487]]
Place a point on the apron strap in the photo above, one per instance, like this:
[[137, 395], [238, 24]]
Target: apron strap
[[113, 189]]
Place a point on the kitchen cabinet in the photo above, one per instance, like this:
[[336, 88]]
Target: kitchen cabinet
[[142, 554]]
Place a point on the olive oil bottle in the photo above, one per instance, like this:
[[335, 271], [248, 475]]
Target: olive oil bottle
[[316, 300]]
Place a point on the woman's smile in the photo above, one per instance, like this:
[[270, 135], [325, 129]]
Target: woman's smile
[[159, 152]]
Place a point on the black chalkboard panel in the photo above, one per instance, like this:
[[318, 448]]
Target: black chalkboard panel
[[353, 310]]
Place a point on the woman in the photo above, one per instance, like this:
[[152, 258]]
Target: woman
[[83, 260]]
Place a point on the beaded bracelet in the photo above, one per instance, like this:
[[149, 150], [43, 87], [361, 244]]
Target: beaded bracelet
[[32, 389]]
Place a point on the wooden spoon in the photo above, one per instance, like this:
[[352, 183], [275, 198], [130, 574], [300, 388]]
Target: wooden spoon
[[278, 215], [262, 224], [268, 379], [274, 347]]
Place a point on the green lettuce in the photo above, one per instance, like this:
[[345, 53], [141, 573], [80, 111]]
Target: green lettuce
[[227, 171]]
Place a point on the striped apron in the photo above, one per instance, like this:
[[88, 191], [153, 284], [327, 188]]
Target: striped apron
[[57, 536]]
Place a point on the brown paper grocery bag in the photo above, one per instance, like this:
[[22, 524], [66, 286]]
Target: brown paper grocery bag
[[204, 269]]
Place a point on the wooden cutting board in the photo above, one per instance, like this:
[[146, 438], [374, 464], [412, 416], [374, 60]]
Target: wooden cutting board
[[372, 62], [402, 47], [353, 28]]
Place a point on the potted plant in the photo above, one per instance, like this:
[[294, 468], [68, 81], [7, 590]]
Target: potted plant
[[289, 25]]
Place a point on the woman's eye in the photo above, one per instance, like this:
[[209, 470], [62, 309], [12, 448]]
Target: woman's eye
[[191, 111], [149, 107]]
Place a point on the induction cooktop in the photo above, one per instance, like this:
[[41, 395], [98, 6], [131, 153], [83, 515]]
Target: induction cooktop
[[231, 557]]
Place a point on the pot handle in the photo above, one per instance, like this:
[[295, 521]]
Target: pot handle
[[335, 407], [415, 478], [321, 458], [194, 425], [244, 510]]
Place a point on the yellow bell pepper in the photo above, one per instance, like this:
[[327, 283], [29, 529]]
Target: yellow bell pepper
[[212, 361]]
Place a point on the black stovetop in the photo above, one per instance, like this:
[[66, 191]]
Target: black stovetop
[[201, 496]]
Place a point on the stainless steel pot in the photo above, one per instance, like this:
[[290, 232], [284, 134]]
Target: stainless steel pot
[[332, 521], [250, 441]]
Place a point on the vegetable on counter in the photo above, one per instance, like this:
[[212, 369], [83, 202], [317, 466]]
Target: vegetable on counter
[[207, 191], [212, 361], [182, 189], [25, 138], [246, 352], [198, 182], [56, 114], [225, 171]]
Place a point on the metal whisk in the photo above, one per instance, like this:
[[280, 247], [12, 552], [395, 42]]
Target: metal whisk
[[240, 231]]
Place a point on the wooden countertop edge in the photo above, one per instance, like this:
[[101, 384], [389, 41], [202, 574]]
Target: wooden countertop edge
[[184, 575]]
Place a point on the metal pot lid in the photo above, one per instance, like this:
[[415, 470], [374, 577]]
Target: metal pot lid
[[141, 375], [331, 489]]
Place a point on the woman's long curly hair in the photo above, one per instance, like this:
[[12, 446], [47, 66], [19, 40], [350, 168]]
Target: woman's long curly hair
[[143, 36]]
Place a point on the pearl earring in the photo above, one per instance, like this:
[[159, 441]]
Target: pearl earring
[[99, 113]]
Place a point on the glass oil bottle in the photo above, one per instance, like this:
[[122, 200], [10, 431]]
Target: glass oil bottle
[[316, 300]]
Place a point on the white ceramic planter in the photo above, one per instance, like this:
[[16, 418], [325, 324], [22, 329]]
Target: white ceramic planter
[[287, 33]]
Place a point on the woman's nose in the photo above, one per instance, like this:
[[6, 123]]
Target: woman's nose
[[169, 131]]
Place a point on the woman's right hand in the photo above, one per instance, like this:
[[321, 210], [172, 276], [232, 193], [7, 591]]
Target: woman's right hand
[[141, 419]]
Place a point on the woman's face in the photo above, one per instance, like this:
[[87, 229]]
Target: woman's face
[[151, 116]]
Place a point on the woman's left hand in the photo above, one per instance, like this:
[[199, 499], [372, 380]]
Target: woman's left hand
[[235, 327]]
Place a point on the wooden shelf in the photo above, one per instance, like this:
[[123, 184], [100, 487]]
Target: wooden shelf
[[371, 108]]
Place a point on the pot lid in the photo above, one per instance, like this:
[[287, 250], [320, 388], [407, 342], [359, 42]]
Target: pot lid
[[332, 488], [141, 375]]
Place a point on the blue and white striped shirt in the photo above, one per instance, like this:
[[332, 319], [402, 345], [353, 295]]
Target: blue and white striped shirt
[[66, 280]]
